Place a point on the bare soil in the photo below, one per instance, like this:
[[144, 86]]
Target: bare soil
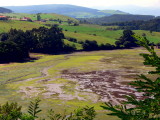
[[110, 85]]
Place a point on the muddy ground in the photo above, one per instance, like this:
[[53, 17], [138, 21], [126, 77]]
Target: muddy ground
[[109, 85]]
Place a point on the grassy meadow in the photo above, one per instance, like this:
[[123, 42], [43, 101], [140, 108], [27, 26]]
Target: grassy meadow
[[22, 82], [101, 34], [5, 26], [43, 16]]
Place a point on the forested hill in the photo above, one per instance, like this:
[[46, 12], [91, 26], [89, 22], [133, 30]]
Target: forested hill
[[151, 25], [118, 18], [5, 10], [64, 9]]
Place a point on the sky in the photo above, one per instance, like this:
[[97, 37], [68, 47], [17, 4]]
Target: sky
[[85, 3]]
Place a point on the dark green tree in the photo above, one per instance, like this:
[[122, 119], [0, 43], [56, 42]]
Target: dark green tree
[[38, 17], [70, 21], [148, 107], [49, 40], [126, 40], [90, 45], [10, 111], [10, 51]]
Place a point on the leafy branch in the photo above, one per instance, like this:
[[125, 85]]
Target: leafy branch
[[33, 109]]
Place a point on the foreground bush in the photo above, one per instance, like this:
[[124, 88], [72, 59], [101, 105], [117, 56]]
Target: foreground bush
[[12, 111]]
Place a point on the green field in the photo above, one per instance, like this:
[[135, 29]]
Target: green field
[[21, 82], [43, 16], [83, 32], [5, 26], [101, 33]]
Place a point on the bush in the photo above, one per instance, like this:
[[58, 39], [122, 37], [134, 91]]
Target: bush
[[11, 111]]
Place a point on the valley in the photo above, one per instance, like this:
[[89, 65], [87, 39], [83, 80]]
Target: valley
[[72, 59]]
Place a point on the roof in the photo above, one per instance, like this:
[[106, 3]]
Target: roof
[[1, 16], [26, 18]]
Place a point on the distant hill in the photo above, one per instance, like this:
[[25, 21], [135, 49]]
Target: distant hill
[[5, 10], [133, 9], [118, 18], [63, 9], [113, 12]]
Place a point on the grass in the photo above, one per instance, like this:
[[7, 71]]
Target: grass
[[78, 46], [91, 37], [26, 70], [5, 26], [101, 33], [153, 37], [43, 16], [13, 76], [75, 62]]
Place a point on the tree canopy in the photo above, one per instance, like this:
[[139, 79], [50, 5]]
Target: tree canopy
[[126, 40], [42, 40]]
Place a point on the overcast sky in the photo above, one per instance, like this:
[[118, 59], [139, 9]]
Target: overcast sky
[[86, 3]]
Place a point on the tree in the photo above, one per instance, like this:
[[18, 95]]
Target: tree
[[126, 40], [17, 44], [10, 111], [70, 22], [148, 107], [38, 17], [10, 51], [49, 40], [90, 45]]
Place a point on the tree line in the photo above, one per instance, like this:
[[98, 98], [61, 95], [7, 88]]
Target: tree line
[[116, 18], [151, 25], [17, 44]]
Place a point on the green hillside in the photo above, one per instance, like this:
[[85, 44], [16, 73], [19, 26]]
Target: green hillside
[[63, 9], [5, 10], [113, 12], [118, 18], [43, 16], [101, 33], [83, 32], [5, 26]]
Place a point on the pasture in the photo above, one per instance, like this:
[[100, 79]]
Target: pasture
[[43, 16], [102, 34], [5, 26]]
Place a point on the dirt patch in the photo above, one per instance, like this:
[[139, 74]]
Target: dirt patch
[[55, 91], [29, 91], [110, 85]]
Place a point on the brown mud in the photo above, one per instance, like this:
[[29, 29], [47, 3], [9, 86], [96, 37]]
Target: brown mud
[[110, 85]]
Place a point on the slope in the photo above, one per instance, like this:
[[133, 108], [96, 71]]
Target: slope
[[63, 9], [5, 10], [119, 18], [43, 16]]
